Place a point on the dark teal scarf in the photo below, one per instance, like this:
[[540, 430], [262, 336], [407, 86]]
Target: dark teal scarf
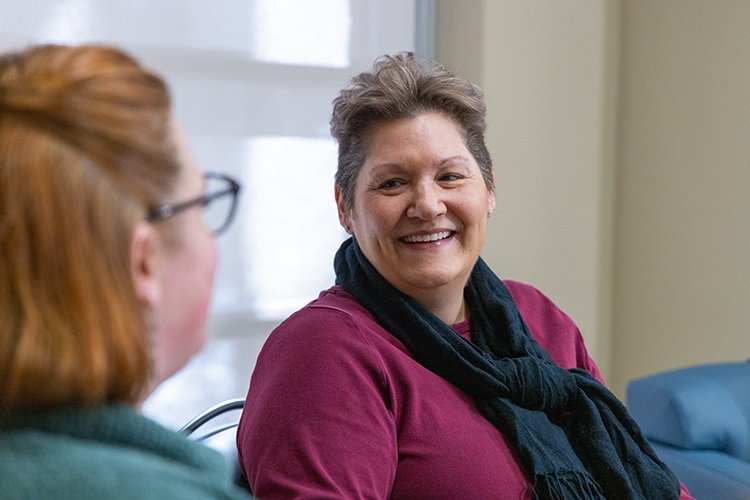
[[574, 438]]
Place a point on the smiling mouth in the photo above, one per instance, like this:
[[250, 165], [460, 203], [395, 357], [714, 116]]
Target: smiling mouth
[[427, 238]]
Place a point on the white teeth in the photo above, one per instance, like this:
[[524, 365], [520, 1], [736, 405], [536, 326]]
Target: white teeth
[[424, 238]]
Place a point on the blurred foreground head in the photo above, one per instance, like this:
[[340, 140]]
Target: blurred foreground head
[[87, 148]]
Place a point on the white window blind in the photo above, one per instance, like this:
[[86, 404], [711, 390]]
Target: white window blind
[[252, 82]]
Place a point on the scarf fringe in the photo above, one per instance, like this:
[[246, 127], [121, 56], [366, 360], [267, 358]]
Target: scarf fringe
[[566, 486]]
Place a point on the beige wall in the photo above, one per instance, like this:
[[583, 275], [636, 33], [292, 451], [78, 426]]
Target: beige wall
[[547, 73], [682, 274], [620, 133]]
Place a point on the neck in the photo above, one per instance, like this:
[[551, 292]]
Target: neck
[[450, 309]]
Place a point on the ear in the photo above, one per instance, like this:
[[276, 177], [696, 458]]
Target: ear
[[143, 265], [343, 214]]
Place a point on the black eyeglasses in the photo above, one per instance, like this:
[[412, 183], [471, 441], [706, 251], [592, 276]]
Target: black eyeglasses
[[218, 204]]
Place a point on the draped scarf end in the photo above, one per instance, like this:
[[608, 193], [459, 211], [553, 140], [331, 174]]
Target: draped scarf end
[[566, 485]]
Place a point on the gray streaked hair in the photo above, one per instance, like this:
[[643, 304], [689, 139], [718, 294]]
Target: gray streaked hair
[[403, 86]]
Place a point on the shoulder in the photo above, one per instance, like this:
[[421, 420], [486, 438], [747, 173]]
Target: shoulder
[[47, 464], [547, 322], [334, 321], [531, 301], [320, 386], [331, 341], [332, 305], [552, 328]]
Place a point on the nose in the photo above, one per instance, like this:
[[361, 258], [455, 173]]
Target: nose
[[427, 202]]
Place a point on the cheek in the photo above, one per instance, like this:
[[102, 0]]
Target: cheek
[[205, 266], [193, 284], [381, 217], [473, 209]]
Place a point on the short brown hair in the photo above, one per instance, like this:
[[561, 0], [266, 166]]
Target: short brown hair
[[403, 86], [85, 149]]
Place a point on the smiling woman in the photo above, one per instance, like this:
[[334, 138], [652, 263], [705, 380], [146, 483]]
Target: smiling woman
[[421, 374]]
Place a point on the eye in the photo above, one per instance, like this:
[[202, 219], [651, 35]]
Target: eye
[[391, 184], [450, 177]]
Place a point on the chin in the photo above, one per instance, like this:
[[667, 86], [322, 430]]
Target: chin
[[436, 278]]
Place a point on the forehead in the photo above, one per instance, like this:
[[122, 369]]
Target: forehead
[[412, 130], [428, 134], [428, 138]]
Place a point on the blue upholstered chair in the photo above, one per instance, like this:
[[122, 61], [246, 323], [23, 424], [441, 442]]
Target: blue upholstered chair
[[698, 420]]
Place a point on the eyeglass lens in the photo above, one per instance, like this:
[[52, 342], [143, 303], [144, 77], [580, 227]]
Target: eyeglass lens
[[216, 212]]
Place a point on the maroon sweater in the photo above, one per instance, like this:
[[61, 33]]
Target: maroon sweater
[[337, 408]]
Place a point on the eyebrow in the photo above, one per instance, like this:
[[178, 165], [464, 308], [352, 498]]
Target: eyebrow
[[461, 158], [391, 164]]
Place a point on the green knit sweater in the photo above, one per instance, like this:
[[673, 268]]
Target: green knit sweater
[[108, 453]]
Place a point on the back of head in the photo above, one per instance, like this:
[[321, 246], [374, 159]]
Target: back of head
[[403, 86], [85, 150]]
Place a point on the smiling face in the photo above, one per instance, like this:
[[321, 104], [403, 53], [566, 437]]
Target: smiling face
[[420, 208]]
